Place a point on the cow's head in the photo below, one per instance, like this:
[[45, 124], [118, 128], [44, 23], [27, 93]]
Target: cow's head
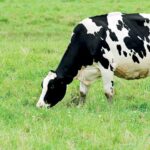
[[53, 90]]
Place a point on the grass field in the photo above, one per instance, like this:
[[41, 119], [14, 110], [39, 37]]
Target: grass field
[[33, 37]]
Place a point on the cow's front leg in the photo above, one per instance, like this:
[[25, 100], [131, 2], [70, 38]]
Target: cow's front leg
[[108, 82], [81, 98], [83, 92], [86, 76]]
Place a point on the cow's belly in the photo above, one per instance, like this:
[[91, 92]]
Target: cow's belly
[[124, 69], [131, 73], [127, 69]]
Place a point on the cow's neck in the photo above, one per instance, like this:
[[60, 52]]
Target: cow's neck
[[74, 58]]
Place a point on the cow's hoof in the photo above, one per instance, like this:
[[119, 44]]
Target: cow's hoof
[[73, 102], [77, 101], [109, 98]]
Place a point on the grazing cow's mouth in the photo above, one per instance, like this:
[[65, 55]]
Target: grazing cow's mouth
[[41, 104]]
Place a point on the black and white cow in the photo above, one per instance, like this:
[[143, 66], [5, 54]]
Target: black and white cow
[[106, 45]]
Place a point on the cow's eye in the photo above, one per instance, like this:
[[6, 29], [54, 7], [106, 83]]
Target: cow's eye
[[52, 86]]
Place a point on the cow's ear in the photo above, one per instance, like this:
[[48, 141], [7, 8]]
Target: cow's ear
[[42, 84], [52, 71]]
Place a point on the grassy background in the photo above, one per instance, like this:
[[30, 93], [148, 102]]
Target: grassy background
[[33, 37]]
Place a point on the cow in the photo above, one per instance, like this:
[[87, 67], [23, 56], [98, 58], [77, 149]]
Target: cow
[[101, 46]]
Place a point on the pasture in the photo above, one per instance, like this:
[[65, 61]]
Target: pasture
[[34, 35]]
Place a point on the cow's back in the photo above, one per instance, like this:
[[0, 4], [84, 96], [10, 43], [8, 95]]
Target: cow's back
[[125, 39]]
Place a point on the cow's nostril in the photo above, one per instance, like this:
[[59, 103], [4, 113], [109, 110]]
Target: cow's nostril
[[39, 104]]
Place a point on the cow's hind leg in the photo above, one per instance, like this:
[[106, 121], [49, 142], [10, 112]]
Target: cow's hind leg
[[108, 82]]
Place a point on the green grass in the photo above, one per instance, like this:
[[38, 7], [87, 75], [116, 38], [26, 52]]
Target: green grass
[[33, 37]]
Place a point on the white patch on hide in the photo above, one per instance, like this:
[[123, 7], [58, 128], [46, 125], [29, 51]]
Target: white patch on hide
[[91, 27], [113, 19], [46, 80]]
